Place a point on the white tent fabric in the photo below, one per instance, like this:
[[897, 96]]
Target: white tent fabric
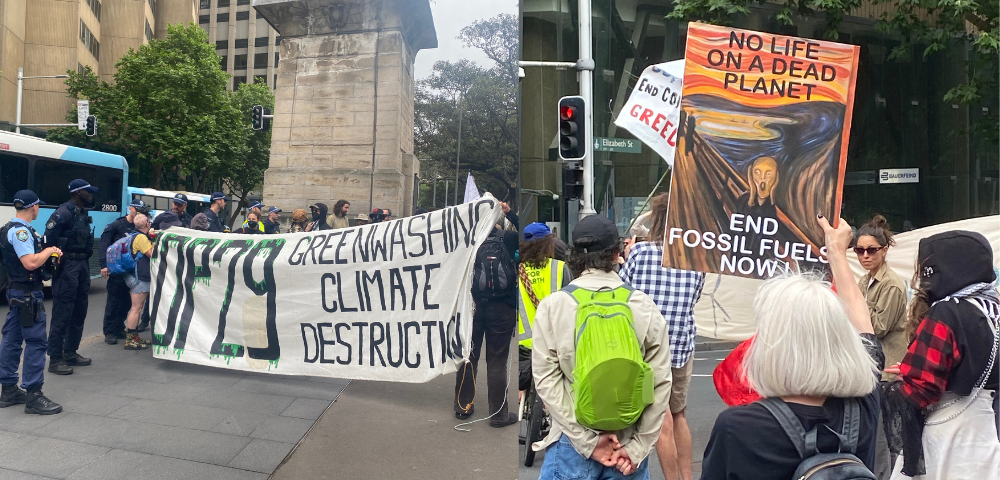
[[725, 310]]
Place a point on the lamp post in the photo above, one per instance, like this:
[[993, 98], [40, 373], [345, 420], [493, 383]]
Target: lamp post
[[458, 152], [20, 86]]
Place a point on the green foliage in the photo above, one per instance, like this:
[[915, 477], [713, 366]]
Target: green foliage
[[926, 26], [167, 111], [490, 140], [242, 177]]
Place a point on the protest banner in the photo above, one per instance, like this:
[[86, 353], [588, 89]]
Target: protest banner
[[761, 151], [652, 112], [387, 301]]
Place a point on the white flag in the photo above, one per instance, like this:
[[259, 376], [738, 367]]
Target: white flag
[[653, 111], [471, 190]]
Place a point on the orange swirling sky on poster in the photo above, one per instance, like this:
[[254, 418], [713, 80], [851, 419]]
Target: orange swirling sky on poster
[[764, 70]]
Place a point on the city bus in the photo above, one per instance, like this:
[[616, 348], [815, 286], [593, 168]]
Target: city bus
[[47, 168]]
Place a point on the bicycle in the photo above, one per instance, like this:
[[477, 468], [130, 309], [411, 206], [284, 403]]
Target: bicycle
[[534, 422]]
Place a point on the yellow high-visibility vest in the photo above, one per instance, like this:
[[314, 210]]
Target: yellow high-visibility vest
[[544, 281]]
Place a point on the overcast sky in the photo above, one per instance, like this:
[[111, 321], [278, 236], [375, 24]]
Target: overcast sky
[[450, 16]]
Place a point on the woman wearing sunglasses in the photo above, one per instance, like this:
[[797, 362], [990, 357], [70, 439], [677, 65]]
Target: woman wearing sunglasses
[[885, 294]]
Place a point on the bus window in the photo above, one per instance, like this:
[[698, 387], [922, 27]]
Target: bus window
[[148, 200], [13, 176], [52, 177], [162, 204]]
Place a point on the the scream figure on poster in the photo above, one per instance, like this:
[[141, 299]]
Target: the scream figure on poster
[[762, 176]]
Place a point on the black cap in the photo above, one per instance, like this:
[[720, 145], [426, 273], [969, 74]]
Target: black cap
[[181, 198], [25, 199], [953, 260], [595, 233], [136, 203], [81, 184], [218, 196]]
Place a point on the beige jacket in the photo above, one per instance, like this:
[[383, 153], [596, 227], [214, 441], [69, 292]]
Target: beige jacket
[[336, 222], [554, 356], [886, 298]]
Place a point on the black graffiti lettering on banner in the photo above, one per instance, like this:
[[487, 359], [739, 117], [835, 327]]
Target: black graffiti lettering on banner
[[167, 242], [332, 343], [187, 283], [268, 249], [366, 281], [241, 247], [447, 230]]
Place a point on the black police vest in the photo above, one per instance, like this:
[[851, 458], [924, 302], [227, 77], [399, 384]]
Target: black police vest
[[15, 269], [79, 237]]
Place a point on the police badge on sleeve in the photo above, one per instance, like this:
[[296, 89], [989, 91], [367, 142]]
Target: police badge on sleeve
[[22, 235]]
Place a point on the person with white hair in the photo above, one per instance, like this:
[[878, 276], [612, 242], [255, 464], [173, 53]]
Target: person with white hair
[[138, 281], [815, 360]]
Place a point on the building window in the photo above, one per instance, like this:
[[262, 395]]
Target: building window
[[81, 69], [149, 32], [203, 19], [95, 6], [275, 59], [259, 15], [243, 15], [242, 2], [237, 81], [260, 42], [221, 44], [240, 63], [222, 3], [89, 40], [152, 6], [277, 40], [204, 4], [241, 43], [275, 84], [222, 63], [260, 60], [222, 17]]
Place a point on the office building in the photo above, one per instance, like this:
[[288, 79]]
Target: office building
[[245, 41]]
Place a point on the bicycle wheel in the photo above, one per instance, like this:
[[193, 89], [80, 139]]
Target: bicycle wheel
[[534, 427]]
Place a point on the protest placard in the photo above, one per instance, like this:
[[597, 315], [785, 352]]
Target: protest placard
[[761, 151], [387, 301], [652, 112]]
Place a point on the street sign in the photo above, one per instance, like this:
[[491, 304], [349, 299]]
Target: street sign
[[863, 177], [621, 145], [82, 112], [899, 175]]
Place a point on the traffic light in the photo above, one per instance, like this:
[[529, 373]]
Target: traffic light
[[91, 125], [572, 181], [572, 134], [257, 117]]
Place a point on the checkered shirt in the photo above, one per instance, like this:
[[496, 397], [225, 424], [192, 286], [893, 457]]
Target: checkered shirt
[[674, 291], [927, 365]]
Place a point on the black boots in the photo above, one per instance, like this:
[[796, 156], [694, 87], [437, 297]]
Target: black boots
[[39, 404], [74, 359], [12, 395], [58, 366]]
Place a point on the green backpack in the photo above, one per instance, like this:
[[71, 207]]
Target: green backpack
[[612, 384]]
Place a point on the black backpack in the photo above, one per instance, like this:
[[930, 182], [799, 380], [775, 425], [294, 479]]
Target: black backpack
[[494, 275], [823, 466]]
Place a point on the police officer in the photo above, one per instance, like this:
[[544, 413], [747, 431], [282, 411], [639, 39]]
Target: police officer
[[69, 229], [271, 223], [118, 301], [215, 224], [24, 329], [177, 215]]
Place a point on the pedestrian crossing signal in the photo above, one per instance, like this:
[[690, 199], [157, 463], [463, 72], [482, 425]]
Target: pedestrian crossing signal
[[91, 125]]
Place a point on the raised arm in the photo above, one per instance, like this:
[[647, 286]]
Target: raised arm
[[838, 240]]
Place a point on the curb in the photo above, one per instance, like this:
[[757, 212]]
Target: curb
[[713, 345]]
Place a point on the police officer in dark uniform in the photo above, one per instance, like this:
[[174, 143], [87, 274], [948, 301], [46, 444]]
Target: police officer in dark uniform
[[215, 224], [119, 301], [24, 329], [177, 215], [69, 229]]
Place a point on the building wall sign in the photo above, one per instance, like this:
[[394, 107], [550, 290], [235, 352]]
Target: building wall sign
[[899, 175]]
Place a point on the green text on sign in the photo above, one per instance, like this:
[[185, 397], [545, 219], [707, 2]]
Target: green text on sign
[[623, 145]]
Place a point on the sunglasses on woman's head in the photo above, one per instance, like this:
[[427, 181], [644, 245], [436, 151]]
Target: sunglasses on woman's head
[[870, 250]]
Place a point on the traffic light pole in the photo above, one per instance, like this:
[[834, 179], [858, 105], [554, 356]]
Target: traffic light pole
[[585, 75]]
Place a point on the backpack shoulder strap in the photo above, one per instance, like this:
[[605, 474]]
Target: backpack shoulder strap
[[804, 442], [570, 289], [852, 425]]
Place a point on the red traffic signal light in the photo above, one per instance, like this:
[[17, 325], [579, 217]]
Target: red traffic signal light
[[572, 135], [567, 112]]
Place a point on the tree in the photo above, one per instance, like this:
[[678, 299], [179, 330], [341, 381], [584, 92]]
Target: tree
[[933, 26], [490, 140], [168, 107], [242, 177]]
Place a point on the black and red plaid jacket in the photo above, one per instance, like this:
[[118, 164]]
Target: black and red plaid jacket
[[928, 362]]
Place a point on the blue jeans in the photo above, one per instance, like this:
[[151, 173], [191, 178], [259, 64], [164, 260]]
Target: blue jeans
[[563, 462], [32, 341]]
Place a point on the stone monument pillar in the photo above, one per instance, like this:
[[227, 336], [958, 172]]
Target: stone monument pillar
[[343, 112]]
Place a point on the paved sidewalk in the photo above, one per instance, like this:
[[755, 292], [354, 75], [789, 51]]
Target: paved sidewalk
[[406, 431], [131, 416]]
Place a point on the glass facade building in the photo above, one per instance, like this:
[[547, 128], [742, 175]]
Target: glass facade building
[[900, 117]]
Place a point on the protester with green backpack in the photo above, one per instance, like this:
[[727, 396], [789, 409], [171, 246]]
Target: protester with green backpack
[[601, 364]]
